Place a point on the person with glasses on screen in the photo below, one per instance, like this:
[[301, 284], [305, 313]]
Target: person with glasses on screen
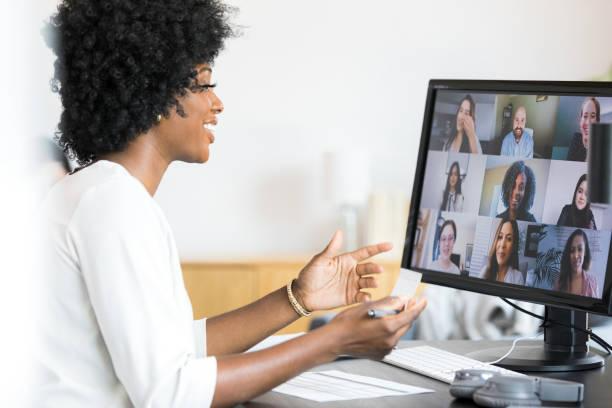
[[452, 199], [503, 259], [446, 242], [518, 191], [115, 321], [464, 139], [578, 213], [519, 142], [590, 112], [574, 276]]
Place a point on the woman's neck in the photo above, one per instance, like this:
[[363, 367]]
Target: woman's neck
[[501, 272], [577, 273], [445, 262], [512, 214], [144, 159]]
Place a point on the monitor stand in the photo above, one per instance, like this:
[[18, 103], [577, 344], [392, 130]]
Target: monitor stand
[[563, 349]]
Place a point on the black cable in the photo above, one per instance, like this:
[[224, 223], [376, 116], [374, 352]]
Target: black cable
[[604, 344]]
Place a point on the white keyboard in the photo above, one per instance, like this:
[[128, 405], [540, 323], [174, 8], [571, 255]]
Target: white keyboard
[[438, 364]]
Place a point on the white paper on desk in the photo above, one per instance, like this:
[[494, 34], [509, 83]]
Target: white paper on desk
[[407, 283], [334, 385]]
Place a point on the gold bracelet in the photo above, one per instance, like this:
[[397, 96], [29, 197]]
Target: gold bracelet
[[299, 309]]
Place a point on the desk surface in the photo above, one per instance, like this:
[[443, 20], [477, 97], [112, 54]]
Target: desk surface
[[598, 383]]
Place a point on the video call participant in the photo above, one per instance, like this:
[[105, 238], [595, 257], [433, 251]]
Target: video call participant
[[578, 213], [589, 113], [518, 191], [452, 199], [575, 263], [446, 242], [519, 142], [502, 264], [464, 140]]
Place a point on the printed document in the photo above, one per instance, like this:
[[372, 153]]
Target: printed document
[[334, 385]]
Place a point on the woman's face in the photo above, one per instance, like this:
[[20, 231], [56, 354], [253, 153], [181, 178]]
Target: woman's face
[[577, 248], [447, 241], [588, 116], [188, 138], [464, 109], [503, 244], [518, 191], [454, 177], [581, 195]]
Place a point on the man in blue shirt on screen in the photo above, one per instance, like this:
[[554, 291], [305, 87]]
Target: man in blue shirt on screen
[[519, 142]]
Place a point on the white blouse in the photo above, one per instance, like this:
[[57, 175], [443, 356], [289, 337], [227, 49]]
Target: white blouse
[[437, 265], [116, 324], [512, 275]]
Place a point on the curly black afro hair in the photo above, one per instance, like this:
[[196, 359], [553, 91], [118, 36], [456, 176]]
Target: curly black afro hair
[[530, 184], [121, 63]]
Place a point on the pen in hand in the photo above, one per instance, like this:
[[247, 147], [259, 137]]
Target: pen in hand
[[378, 313]]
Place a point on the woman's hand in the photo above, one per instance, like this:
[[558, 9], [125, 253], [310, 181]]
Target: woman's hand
[[469, 127], [362, 336], [330, 280]]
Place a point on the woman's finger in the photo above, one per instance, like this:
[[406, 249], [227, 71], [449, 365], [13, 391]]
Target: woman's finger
[[368, 282], [362, 297], [366, 252], [334, 245], [369, 268]]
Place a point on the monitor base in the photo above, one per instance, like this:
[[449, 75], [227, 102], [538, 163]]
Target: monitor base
[[564, 347], [538, 359]]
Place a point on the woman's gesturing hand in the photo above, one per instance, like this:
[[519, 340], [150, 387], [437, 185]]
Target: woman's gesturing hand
[[331, 280], [469, 127], [362, 336]]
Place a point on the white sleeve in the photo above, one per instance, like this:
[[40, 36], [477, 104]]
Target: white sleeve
[[125, 262], [478, 146], [199, 337]]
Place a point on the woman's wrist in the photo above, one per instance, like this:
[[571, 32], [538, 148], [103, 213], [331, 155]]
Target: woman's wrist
[[300, 296], [332, 338]]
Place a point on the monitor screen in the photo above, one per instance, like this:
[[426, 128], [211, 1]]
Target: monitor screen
[[500, 203]]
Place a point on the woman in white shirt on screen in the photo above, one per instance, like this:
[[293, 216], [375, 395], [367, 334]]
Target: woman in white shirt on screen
[[452, 199], [446, 242], [502, 263], [116, 327]]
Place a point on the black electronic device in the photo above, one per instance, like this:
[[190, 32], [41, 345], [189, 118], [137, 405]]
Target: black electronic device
[[528, 190]]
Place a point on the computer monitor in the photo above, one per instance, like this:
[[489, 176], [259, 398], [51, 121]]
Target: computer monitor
[[501, 184]]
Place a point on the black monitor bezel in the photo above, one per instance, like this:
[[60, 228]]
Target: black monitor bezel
[[542, 296]]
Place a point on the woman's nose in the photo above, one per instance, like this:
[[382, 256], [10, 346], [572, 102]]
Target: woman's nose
[[217, 105]]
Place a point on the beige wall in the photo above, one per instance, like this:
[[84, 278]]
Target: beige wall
[[300, 82]]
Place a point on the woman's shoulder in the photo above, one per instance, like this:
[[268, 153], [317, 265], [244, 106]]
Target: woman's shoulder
[[515, 276], [590, 278], [527, 216], [483, 270], [107, 192], [454, 269]]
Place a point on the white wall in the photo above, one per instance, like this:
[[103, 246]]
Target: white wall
[[310, 76]]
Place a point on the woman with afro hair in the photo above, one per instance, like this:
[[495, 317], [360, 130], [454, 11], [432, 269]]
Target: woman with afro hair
[[518, 191], [116, 326]]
